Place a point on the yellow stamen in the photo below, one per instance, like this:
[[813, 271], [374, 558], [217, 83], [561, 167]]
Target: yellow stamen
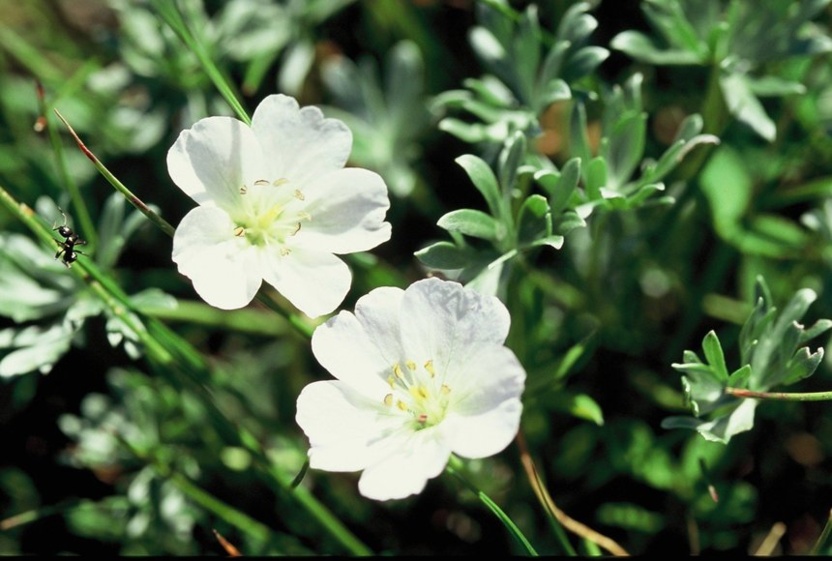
[[388, 399], [410, 365], [279, 182], [284, 251], [239, 231], [397, 370], [243, 190], [298, 195], [429, 368], [261, 183]]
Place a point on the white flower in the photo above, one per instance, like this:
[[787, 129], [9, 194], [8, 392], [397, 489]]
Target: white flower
[[421, 373], [275, 204]]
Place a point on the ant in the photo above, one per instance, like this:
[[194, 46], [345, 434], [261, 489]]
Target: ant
[[67, 247]]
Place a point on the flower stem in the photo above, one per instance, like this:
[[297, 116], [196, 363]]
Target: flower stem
[[822, 545], [557, 517], [170, 14], [119, 186], [81, 210], [781, 396], [456, 467]]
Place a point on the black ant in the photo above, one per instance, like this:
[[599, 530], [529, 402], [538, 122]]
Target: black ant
[[67, 247]]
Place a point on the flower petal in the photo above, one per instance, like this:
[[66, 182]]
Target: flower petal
[[360, 349], [413, 459], [223, 268], [212, 160], [299, 143], [342, 346], [314, 282], [484, 413], [347, 207], [341, 426], [441, 319]]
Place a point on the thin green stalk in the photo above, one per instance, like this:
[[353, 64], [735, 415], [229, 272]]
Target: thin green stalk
[[823, 542], [457, 468], [244, 320], [87, 226], [170, 14], [209, 502], [780, 396], [119, 186]]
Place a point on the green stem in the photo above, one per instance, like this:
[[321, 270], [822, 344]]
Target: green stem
[[823, 541], [456, 467], [209, 502], [170, 14], [780, 396], [244, 320], [79, 205], [119, 186]]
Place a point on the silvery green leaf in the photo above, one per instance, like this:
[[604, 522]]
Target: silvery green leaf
[[715, 357], [596, 178], [485, 181], [802, 365], [624, 149], [553, 91], [297, 62], [490, 90], [642, 48], [567, 221], [744, 105], [534, 220], [509, 160], [555, 242], [444, 256], [584, 62], [526, 51], [473, 223], [33, 348]]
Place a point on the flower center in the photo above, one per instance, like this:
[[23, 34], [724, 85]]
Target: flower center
[[271, 213], [418, 393]]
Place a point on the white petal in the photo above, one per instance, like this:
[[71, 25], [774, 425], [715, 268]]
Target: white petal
[[379, 313], [212, 160], [299, 143], [480, 436], [314, 282], [484, 412], [341, 426], [223, 268], [442, 319], [342, 346], [347, 207], [413, 459]]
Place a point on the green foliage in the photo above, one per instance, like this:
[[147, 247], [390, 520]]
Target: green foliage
[[629, 191], [771, 355], [737, 38]]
